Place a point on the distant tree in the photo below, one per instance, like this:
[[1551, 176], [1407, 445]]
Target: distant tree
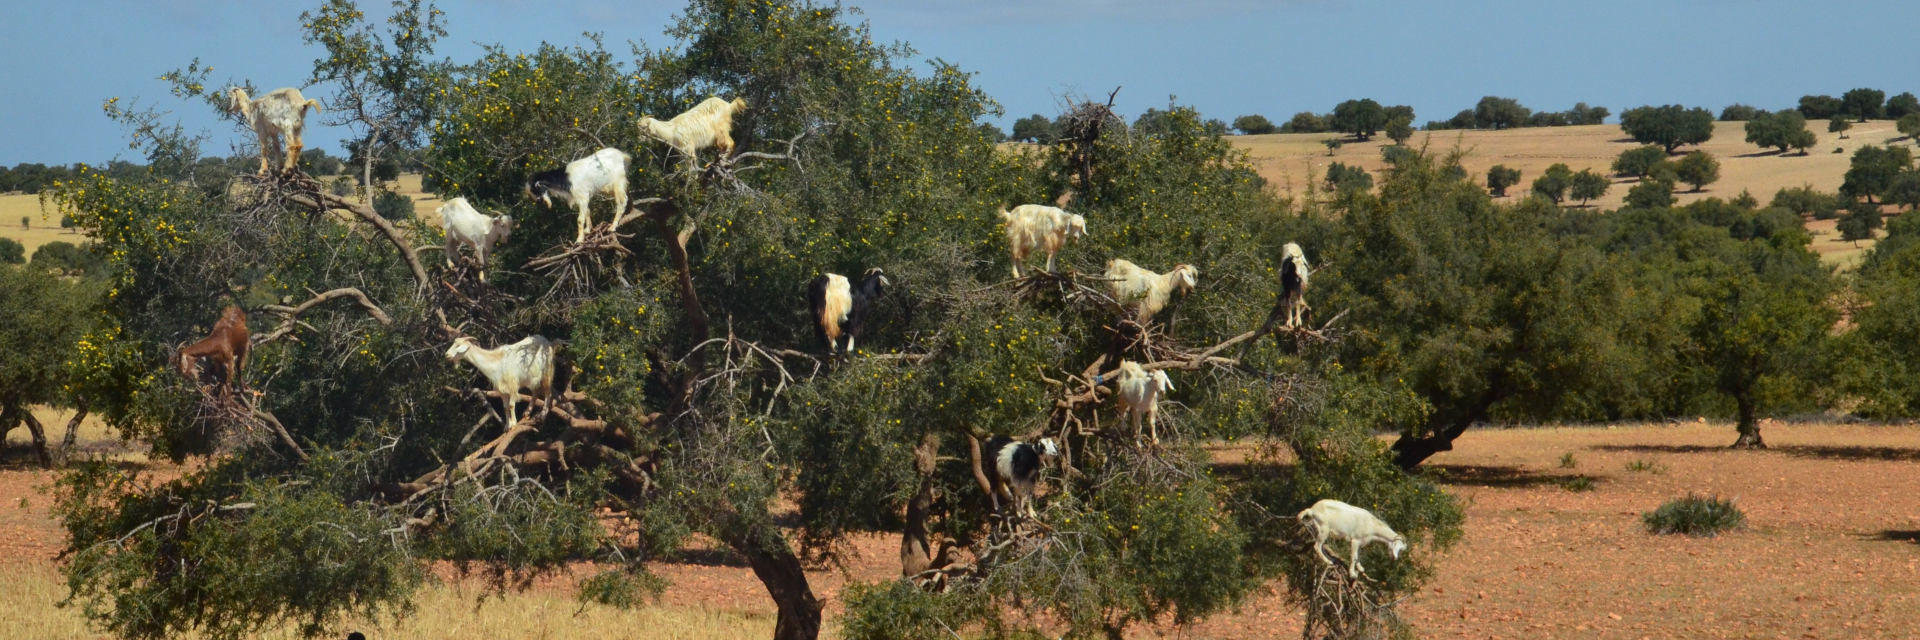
[[1785, 130], [1254, 124], [1494, 112], [1500, 177], [1698, 168], [1214, 127], [1033, 128], [1899, 106], [1864, 104], [992, 133], [1804, 201], [1583, 114], [1553, 184], [1400, 130], [1362, 117], [1818, 107], [393, 206], [1333, 144], [1746, 200], [1306, 122], [26, 222], [1399, 112], [1153, 122], [68, 259], [1548, 119], [1839, 124], [1668, 126], [1873, 169], [1652, 193], [1588, 185], [1343, 178], [1859, 221], [1739, 111], [1910, 126], [12, 252], [1905, 190], [1638, 161], [316, 162]]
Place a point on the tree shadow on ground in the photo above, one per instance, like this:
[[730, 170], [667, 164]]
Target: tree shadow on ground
[[1894, 535], [1660, 448], [1472, 475], [706, 558], [1834, 452], [1762, 154]]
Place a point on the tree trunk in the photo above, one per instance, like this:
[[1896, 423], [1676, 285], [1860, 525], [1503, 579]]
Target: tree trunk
[[39, 436], [1409, 452], [73, 425], [1749, 426], [777, 568]]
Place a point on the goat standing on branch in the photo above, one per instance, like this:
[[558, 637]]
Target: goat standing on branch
[[1138, 393], [466, 225], [527, 364], [1146, 290], [282, 112], [1293, 284], [226, 346], [1016, 471], [603, 172], [708, 124], [1038, 226], [839, 309], [1359, 527]]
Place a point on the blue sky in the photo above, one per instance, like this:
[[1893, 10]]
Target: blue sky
[[1226, 57]]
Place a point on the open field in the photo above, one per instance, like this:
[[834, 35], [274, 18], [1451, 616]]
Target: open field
[[1832, 550], [41, 229]]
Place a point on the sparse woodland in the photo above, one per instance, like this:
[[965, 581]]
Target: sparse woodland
[[694, 398]]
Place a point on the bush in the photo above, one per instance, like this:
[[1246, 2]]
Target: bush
[[1741, 112], [1694, 515], [1553, 183], [26, 222], [1668, 126], [1254, 124], [67, 258], [1806, 201], [1588, 185], [1698, 169], [393, 206], [1652, 193], [1343, 178], [1567, 461], [1784, 130], [342, 186], [1646, 466], [12, 252], [1638, 162], [1579, 484], [1500, 177]]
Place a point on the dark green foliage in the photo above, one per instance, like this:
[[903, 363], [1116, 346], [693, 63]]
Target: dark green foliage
[[12, 252], [1805, 201], [1399, 130], [393, 206], [1883, 350], [1332, 144], [1859, 222], [1909, 125], [1034, 128], [1254, 124], [1307, 122], [1905, 190], [1738, 111], [1651, 193], [1500, 177], [68, 259], [1362, 117], [1344, 178], [1819, 107], [1579, 484], [1553, 183], [1588, 185], [992, 133], [1580, 114], [1668, 126], [1462, 120], [1902, 105], [1784, 130], [1639, 162], [1840, 125], [1646, 466], [1697, 168], [897, 609], [1746, 200], [316, 162], [1863, 103], [1873, 169], [1694, 515], [1567, 461], [1493, 112]]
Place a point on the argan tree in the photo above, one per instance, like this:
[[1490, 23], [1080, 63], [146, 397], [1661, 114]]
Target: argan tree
[[1500, 177], [1697, 168], [1588, 185], [1553, 183], [1362, 118], [1254, 124], [1786, 129], [1668, 126], [1863, 104]]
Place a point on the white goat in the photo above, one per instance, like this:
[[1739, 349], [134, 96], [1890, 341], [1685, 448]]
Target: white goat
[[1359, 527], [1294, 272], [1146, 290], [282, 112], [603, 172], [1038, 226], [1138, 393], [466, 225], [527, 364], [708, 124]]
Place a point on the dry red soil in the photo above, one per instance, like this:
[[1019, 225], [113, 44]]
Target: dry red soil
[[1832, 549]]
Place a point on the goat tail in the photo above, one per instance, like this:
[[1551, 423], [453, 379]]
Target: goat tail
[[314, 105], [739, 103]]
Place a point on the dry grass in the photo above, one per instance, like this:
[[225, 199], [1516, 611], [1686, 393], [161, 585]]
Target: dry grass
[[44, 227]]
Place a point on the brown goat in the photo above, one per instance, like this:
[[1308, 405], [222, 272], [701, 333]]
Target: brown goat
[[227, 346]]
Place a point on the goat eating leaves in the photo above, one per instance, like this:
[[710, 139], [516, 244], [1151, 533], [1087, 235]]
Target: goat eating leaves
[[708, 124], [466, 225], [1359, 527], [227, 346]]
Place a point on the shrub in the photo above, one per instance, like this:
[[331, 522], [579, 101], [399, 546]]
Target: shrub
[[1588, 185], [26, 222], [1646, 466], [1806, 201], [1652, 193], [1567, 461], [393, 206], [1578, 484], [1332, 144], [342, 186], [1254, 124], [1738, 111], [1694, 515], [1553, 183], [1639, 161], [1343, 178], [1500, 177], [1698, 169], [12, 252]]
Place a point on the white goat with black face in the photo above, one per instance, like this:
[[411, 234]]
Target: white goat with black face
[[1359, 527], [1038, 226], [527, 364], [1294, 272], [466, 225], [603, 172], [1016, 471], [281, 112], [1147, 291], [708, 124], [1138, 392]]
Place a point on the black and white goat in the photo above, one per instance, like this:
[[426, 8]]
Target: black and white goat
[[839, 309], [603, 172], [1016, 470], [1294, 272]]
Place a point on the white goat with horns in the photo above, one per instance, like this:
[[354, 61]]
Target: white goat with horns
[[1147, 291], [279, 113], [527, 364], [708, 124], [1138, 393], [1359, 527]]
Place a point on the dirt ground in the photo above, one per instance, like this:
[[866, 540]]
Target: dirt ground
[[1832, 549]]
